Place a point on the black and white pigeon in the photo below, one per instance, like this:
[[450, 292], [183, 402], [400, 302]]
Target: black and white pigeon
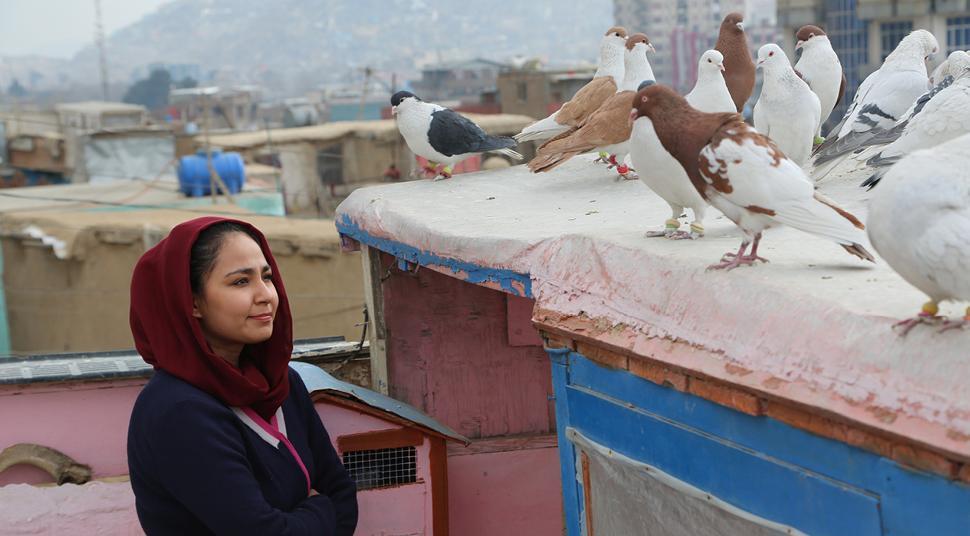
[[442, 136], [919, 223], [945, 117], [883, 97]]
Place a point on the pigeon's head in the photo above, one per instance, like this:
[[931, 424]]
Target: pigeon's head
[[712, 60], [733, 23], [402, 97], [638, 43], [958, 64], [770, 56], [655, 100], [917, 43], [615, 36], [806, 36]]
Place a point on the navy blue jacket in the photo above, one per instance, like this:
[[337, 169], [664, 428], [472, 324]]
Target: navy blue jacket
[[197, 469]]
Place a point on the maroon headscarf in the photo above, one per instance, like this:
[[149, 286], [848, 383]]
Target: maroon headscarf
[[169, 338]]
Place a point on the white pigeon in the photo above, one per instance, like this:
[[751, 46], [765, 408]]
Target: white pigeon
[[710, 93], [443, 136], [820, 68], [788, 111], [743, 174], [606, 79], [919, 222], [884, 96], [944, 117], [665, 176]]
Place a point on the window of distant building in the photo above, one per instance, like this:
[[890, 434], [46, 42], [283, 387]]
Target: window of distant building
[[957, 33], [522, 91], [850, 39], [891, 33]]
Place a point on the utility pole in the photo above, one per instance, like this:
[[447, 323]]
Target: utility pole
[[99, 42], [363, 92]]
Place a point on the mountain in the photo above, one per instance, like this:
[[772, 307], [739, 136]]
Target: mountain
[[284, 44]]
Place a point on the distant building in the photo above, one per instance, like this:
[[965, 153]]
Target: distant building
[[681, 30], [537, 93], [864, 32], [458, 80], [235, 108]]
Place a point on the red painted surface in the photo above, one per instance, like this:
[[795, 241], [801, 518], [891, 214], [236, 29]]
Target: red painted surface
[[519, 311], [448, 354], [514, 492]]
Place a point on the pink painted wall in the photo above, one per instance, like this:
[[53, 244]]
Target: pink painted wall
[[87, 421], [448, 354], [509, 493], [94, 509], [400, 510]]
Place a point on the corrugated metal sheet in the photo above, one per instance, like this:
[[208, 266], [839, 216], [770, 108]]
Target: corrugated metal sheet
[[316, 379]]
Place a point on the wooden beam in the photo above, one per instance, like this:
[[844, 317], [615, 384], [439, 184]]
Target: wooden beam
[[381, 439], [376, 330]]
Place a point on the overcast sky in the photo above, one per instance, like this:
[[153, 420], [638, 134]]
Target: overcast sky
[[60, 28]]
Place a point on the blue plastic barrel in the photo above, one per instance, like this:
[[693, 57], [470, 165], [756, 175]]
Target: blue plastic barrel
[[194, 172]]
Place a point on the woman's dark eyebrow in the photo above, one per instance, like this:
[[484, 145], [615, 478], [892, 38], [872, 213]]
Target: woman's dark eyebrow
[[247, 271]]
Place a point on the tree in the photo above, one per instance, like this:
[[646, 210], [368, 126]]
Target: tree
[[16, 90], [152, 92], [186, 83]]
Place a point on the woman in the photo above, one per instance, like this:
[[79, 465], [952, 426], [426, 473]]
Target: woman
[[224, 438]]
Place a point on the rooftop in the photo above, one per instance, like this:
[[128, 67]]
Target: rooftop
[[99, 107], [813, 327]]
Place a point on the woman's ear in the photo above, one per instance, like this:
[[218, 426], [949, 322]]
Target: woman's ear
[[196, 309]]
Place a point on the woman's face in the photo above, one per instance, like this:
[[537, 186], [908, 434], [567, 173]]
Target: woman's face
[[238, 301]]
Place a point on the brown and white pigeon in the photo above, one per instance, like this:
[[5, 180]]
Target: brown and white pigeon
[[608, 129], [738, 66], [820, 68], [743, 174], [606, 80]]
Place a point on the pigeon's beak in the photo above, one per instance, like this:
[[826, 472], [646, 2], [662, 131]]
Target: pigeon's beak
[[759, 64], [721, 66], [633, 114], [740, 26], [651, 48], [799, 44], [394, 111]]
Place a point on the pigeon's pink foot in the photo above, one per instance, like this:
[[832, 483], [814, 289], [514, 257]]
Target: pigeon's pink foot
[[431, 169], [681, 235], [963, 323], [736, 261], [754, 258], [445, 173], [926, 316]]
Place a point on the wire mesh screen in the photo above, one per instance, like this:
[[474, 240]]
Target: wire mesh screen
[[382, 467]]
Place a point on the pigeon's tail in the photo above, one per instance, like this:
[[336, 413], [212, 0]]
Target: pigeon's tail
[[548, 161], [509, 153], [541, 130], [495, 144], [872, 181], [822, 217], [882, 161]]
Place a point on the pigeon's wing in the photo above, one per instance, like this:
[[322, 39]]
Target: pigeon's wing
[[586, 101], [944, 118], [452, 134], [760, 117], [610, 124]]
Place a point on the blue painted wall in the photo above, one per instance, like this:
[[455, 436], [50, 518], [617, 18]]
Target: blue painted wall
[[758, 464]]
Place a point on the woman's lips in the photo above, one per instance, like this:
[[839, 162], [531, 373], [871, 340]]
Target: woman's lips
[[266, 317]]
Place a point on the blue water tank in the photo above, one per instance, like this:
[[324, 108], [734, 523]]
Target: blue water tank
[[194, 173]]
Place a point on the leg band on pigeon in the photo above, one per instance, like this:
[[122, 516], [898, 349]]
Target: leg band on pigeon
[[672, 224], [604, 155], [622, 169], [697, 228], [930, 308]]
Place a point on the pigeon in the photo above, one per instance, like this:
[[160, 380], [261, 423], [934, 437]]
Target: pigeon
[[710, 93], [609, 127], [788, 111], [919, 223], [883, 97], [821, 69], [743, 174], [739, 69], [443, 136], [945, 117], [604, 84], [665, 176]]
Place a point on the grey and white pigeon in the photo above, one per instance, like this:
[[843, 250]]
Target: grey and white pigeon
[[883, 97], [919, 223], [664, 175], [710, 93], [946, 116], [743, 174], [606, 80], [442, 136], [820, 68], [788, 111]]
